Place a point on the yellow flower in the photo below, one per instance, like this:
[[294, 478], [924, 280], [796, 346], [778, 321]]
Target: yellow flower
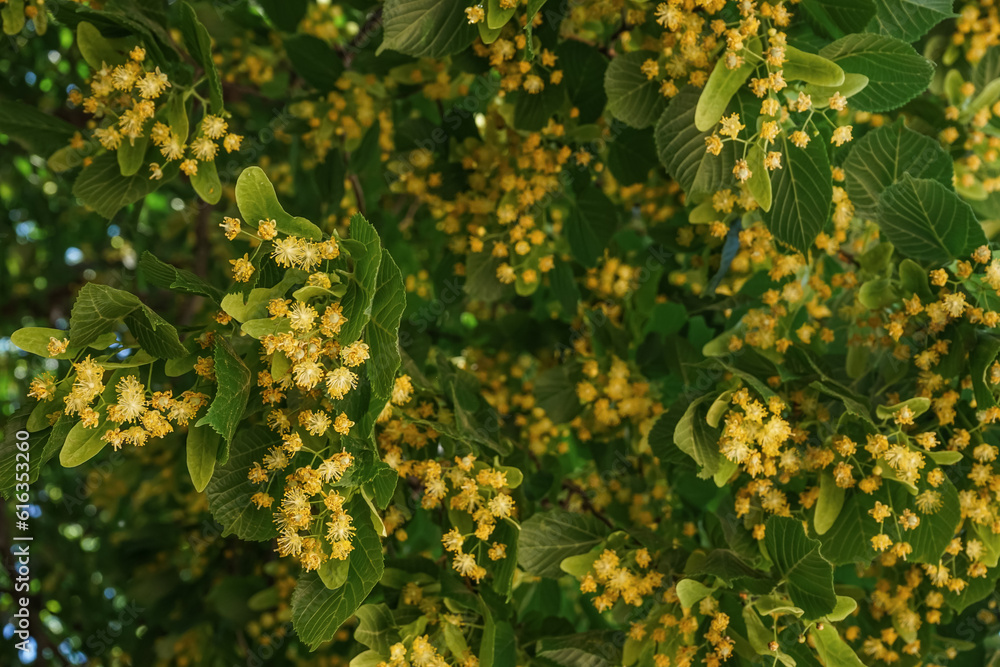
[[56, 346], [231, 226], [342, 424], [242, 268]]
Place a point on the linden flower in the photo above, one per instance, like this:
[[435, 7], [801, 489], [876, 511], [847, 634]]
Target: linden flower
[[232, 142], [465, 565], [713, 144], [204, 149], [453, 541], [56, 346], [881, 542], [333, 319], [155, 171], [402, 389], [267, 229], [355, 354], [475, 14], [340, 381], [242, 268], [152, 84], [841, 135], [213, 126], [533, 84], [287, 251], [231, 226], [331, 470], [302, 316], [731, 126], [800, 139], [43, 387], [339, 528], [131, 400], [189, 167], [506, 273], [343, 424], [742, 171], [317, 422]]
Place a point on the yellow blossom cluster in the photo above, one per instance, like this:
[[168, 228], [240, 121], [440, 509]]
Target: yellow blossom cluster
[[126, 95]]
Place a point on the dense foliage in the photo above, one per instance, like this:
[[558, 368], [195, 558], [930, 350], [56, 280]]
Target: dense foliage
[[594, 333]]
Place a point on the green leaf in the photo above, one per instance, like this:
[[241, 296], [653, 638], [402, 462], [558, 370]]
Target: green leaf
[[983, 355], [132, 154], [82, 444], [896, 72], [426, 28], [34, 129], [721, 86], [796, 557], [910, 20], [584, 68], [596, 648], [591, 224], [690, 592], [547, 538], [382, 332], [498, 646], [384, 484], [849, 539], [102, 187], [170, 277], [481, 281], [98, 308], [773, 604], [555, 393], [202, 449], [36, 341], [876, 294], [579, 565], [803, 192], [802, 66], [366, 252], [42, 447], [759, 638], [936, 529], [831, 647], [829, 503], [845, 607], [632, 97], [497, 16], [532, 111], [229, 490], [333, 573], [697, 439], [206, 182], [232, 391], [917, 406], [839, 17], [927, 221], [13, 17], [257, 201], [95, 48], [199, 45], [507, 532], [376, 628], [632, 155], [881, 158], [314, 60], [987, 69], [853, 84], [318, 612], [681, 147]]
